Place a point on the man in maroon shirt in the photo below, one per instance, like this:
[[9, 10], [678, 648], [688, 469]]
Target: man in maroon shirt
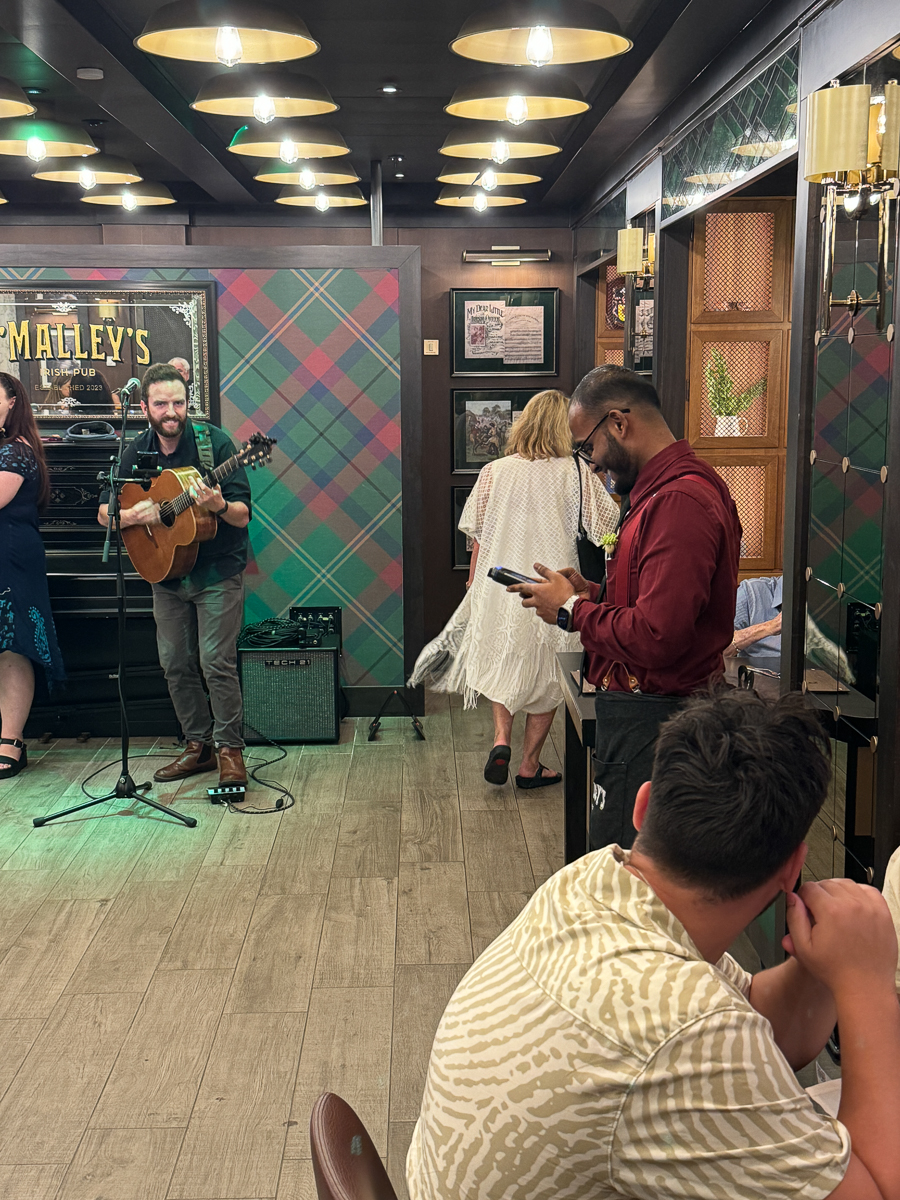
[[658, 633]]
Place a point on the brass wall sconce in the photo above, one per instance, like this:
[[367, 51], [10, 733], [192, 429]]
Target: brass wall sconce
[[853, 148]]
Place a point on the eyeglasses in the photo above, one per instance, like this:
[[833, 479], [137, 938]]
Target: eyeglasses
[[585, 450]]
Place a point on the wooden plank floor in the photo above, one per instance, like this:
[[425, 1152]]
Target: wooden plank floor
[[172, 1000]]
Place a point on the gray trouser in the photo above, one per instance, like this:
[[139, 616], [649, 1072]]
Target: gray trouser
[[197, 630]]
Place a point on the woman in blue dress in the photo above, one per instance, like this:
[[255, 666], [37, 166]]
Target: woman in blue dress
[[27, 635]]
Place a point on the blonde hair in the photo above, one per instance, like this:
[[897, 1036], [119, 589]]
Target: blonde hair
[[542, 431]]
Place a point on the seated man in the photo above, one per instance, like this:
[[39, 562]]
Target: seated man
[[757, 617], [606, 1045]]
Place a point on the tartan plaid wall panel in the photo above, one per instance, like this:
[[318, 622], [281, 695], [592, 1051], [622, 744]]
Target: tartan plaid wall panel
[[311, 356]]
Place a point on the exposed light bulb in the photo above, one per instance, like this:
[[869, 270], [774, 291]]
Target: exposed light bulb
[[851, 202], [129, 201], [322, 202], [517, 110], [264, 108], [480, 202], [307, 179], [35, 149], [500, 151], [489, 179], [87, 178], [875, 198], [288, 151], [229, 48], [539, 47]]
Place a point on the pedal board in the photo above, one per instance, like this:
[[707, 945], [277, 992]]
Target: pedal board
[[228, 793]]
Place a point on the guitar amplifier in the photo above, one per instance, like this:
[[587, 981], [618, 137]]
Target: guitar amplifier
[[291, 695]]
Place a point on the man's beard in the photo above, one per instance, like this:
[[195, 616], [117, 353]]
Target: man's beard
[[619, 463], [159, 429]]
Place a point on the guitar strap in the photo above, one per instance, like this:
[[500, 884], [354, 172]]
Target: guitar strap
[[204, 445]]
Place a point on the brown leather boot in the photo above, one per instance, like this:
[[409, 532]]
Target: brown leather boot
[[231, 765], [194, 758]]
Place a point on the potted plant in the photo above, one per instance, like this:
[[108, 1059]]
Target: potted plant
[[726, 403]]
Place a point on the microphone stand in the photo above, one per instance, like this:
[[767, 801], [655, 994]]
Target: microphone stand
[[125, 788]]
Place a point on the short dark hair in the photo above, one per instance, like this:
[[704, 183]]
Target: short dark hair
[[161, 373], [612, 387], [736, 784]]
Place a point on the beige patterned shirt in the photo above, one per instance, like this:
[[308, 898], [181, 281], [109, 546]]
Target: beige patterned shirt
[[591, 1052]]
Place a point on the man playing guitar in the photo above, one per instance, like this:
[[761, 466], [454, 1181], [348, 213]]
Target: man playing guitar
[[198, 618]]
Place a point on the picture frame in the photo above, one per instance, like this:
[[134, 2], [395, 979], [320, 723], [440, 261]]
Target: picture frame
[[482, 418], [504, 331], [461, 556], [74, 343]]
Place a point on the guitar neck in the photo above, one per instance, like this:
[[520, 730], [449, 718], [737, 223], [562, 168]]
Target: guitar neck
[[183, 502]]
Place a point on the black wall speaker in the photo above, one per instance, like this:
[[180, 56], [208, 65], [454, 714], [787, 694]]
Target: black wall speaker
[[291, 695]]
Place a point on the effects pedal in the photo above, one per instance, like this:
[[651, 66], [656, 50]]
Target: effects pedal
[[227, 793]]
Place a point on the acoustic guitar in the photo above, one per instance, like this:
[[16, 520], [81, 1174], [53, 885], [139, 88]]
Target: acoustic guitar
[[169, 550]]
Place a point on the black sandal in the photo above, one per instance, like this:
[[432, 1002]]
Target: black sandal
[[496, 769], [10, 767], [538, 780]]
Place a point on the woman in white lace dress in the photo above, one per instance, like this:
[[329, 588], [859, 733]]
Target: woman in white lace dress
[[523, 510]]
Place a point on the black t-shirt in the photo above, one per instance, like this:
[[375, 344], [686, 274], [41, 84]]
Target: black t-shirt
[[225, 554]]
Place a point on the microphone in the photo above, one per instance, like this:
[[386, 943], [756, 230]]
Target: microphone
[[127, 388]]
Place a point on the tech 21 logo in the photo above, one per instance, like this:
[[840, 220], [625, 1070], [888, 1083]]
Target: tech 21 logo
[[29, 341], [287, 662]]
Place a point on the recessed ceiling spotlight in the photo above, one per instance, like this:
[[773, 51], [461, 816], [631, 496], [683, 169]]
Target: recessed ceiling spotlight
[[390, 89], [89, 73], [94, 122], [33, 91], [399, 175]]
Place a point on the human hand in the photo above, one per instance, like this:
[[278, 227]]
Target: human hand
[[842, 933], [578, 582], [545, 598], [210, 498], [145, 512]]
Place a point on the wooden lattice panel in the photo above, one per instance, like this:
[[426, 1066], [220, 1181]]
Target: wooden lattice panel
[[739, 259], [612, 357], [747, 484], [746, 365]]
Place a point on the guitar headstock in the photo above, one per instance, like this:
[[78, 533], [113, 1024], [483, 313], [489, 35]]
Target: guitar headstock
[[257, 448]]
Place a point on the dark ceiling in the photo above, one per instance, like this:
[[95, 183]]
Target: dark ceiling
[[143, 102]]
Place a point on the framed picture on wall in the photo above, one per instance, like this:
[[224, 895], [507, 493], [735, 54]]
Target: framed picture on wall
[[482, 419], [504, 331], [461, 556]]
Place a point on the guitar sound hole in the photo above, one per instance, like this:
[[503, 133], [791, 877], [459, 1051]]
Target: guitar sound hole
[[167, 517]]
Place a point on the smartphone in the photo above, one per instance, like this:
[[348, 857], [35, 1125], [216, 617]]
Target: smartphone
[[507, 577]]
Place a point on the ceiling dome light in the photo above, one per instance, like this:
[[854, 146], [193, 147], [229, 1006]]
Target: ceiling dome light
[[264, 94], [29, 136], [539, 47], [456, 197], [226, 31], [487, 141], [517, 110], [105, 168], [309, 141], [264, 109], [517, 96], [13, 101], [323, 172], [141, 195], [517, 32], [337, 197], [466, 174], [288, 152]]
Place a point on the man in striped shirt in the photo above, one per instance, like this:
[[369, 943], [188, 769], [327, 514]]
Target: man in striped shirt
[[606, 1045]]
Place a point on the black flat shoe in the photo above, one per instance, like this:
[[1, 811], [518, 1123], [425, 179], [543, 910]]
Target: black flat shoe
[[496, 769], [10, 767], [538, 780]]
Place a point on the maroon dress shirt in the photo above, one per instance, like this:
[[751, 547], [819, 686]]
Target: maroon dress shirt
[[671, 583]]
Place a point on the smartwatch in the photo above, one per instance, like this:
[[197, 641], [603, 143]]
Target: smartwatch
[[564, 614]]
